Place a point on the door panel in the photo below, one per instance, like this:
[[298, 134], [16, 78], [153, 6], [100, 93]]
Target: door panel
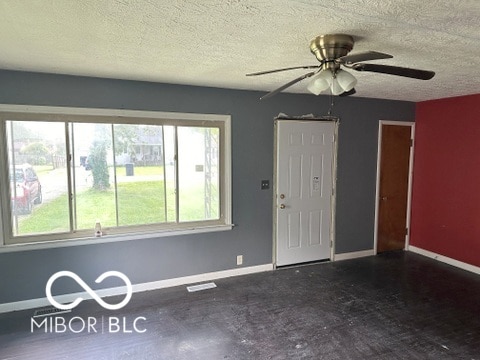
[[393, 191], [303, 190]]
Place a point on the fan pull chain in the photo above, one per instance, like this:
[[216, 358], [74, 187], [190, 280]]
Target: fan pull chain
[[329, 113]]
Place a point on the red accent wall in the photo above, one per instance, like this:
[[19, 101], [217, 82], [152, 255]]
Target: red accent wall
[[446, 178]]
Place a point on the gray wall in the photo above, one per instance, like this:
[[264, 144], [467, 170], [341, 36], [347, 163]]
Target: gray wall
[[24, 274]]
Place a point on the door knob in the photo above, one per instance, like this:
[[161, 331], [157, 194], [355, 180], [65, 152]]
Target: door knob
[[282, 206]]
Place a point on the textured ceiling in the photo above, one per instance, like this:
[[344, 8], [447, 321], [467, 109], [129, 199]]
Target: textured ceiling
[[215, 43]]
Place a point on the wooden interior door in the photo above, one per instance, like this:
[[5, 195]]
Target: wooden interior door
[[396, 145]]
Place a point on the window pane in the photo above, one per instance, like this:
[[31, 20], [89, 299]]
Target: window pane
[[140, 174], [198, 160], [94, 177], [65, 177], [169, 146], [38, 177]]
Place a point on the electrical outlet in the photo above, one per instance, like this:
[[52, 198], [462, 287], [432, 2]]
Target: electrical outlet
[[239, 259]]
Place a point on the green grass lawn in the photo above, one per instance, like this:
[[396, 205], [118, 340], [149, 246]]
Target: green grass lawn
[[138, 203], [141, 202], [52, 217], [140, 170]]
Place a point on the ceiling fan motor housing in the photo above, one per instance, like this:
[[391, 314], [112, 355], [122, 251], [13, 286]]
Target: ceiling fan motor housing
[[331, 46]]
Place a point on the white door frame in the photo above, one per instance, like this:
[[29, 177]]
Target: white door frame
[[334, 186], [410, 176]]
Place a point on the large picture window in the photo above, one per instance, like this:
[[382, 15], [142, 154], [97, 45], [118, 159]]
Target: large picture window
[[72, 173]]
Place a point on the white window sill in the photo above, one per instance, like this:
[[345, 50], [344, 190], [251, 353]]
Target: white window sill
[[113, 238]]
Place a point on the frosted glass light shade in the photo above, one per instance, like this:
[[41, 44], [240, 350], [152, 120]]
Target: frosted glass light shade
[[320, 82], [346, 80], [336, 88]]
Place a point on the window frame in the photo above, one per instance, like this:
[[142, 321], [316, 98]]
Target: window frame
[[114, 116]]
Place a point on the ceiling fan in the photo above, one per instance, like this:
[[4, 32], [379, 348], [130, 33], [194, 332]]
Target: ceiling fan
[[332, 52]]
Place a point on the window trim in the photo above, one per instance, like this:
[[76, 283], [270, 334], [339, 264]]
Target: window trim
[[91, 115]]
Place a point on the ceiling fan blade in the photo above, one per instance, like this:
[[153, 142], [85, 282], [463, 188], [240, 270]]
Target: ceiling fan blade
[[363, 56], [287, 85], [284, 69], [348, 93], [395, 70]]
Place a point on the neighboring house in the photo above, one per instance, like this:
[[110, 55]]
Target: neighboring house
[[146, 148]]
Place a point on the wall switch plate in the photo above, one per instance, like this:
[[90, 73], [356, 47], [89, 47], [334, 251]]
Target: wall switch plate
[[239, 259], [265, 184]]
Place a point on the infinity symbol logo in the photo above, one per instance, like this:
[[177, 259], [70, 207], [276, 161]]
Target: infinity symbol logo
[[78, 300]]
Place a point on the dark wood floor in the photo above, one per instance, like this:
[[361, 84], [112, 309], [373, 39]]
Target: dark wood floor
[[392, 306]]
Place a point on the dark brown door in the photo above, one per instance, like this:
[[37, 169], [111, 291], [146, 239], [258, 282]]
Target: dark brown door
[[393, 192]]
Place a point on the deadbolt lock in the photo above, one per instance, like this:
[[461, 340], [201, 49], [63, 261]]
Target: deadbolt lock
[[282, 196]]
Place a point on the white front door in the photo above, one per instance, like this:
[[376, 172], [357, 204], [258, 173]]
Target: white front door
[[304, 183]]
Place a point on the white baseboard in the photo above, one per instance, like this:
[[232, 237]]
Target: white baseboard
[[154, 285], [445, 259], [353, 255]]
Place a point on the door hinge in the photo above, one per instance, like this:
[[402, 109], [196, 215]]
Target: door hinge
[[411, 142], [331, 243], [406, 231]]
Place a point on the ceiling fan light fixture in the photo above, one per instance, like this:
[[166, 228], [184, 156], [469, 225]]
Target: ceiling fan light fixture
[[320, 82]]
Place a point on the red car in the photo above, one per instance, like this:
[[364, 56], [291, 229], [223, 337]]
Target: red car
[[26, 190]]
